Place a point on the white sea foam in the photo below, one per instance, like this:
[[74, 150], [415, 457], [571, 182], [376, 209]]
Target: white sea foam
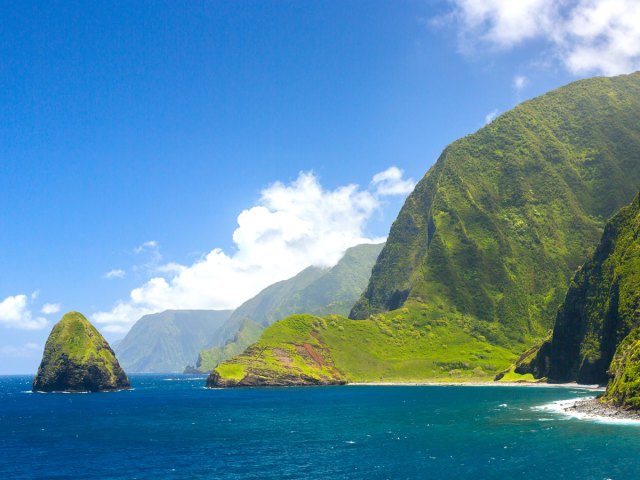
[[566, 409]]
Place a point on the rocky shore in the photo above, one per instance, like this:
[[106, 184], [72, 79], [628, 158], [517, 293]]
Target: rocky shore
[[594, 409]]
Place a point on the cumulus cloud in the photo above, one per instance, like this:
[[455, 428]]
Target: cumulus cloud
[[587, 36], [291, 227], [15, 313], [50, 308], [116, 273]]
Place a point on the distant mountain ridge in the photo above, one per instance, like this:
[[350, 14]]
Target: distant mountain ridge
[[314, 290], [168, 341]]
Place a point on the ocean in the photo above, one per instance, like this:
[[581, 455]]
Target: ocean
[[170, 426]]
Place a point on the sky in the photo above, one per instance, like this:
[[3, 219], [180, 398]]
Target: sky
[[187, 154]]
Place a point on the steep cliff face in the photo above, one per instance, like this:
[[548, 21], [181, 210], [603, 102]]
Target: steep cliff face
[[623, 389], [499, 224], [78, 359], [601, 308]]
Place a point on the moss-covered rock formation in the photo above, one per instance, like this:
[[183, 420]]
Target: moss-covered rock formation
[[78, 359], [601, 308], [483, 250]]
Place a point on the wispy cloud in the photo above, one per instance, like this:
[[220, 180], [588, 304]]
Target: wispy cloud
[[519, 82], [291, 227], [586, 36], [491, 116], [116, 273], [151, 245], [50, 308], [27, 350], [391, 182]]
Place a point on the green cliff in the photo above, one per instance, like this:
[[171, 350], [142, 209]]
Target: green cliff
[[314, 290], [623, 389], [78, 359], [601, 308], [499, 224], [168, 341], [483, 250]]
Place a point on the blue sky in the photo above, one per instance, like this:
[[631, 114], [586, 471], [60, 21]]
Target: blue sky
[[134, 134]]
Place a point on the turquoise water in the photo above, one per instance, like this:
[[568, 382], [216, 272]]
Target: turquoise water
[[171, 427]]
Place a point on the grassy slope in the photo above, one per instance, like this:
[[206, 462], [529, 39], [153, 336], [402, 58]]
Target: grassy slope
[[249, 333], [314, 291], [409, 344], [498, 226]]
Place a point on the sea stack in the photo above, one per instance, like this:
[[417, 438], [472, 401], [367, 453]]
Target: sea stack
[[78, 359]]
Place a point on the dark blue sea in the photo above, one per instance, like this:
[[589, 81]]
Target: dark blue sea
[[169, 426]]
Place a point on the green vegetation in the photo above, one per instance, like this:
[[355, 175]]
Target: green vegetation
[[483, 250], [77, 357], [314, 290], [249, 333], [499, 224], [624, 388], [409, 344], [168, 341], [601, 308]]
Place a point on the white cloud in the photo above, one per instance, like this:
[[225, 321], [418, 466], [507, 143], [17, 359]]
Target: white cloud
[[116, 273], [519, 82], [50, 308], [587, 36], [291, 227], [391, 182], [151, 245], [14, 313], [490, 117]]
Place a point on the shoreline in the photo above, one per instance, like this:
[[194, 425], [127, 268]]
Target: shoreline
[[572, 385], [592, 410]]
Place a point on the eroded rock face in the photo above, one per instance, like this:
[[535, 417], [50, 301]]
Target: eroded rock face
[[78, 359]]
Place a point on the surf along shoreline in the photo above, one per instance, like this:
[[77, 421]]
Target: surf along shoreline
[[589, 408], [572, 385]]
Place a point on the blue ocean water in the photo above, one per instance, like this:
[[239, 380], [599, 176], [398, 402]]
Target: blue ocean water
[[171, 427]]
